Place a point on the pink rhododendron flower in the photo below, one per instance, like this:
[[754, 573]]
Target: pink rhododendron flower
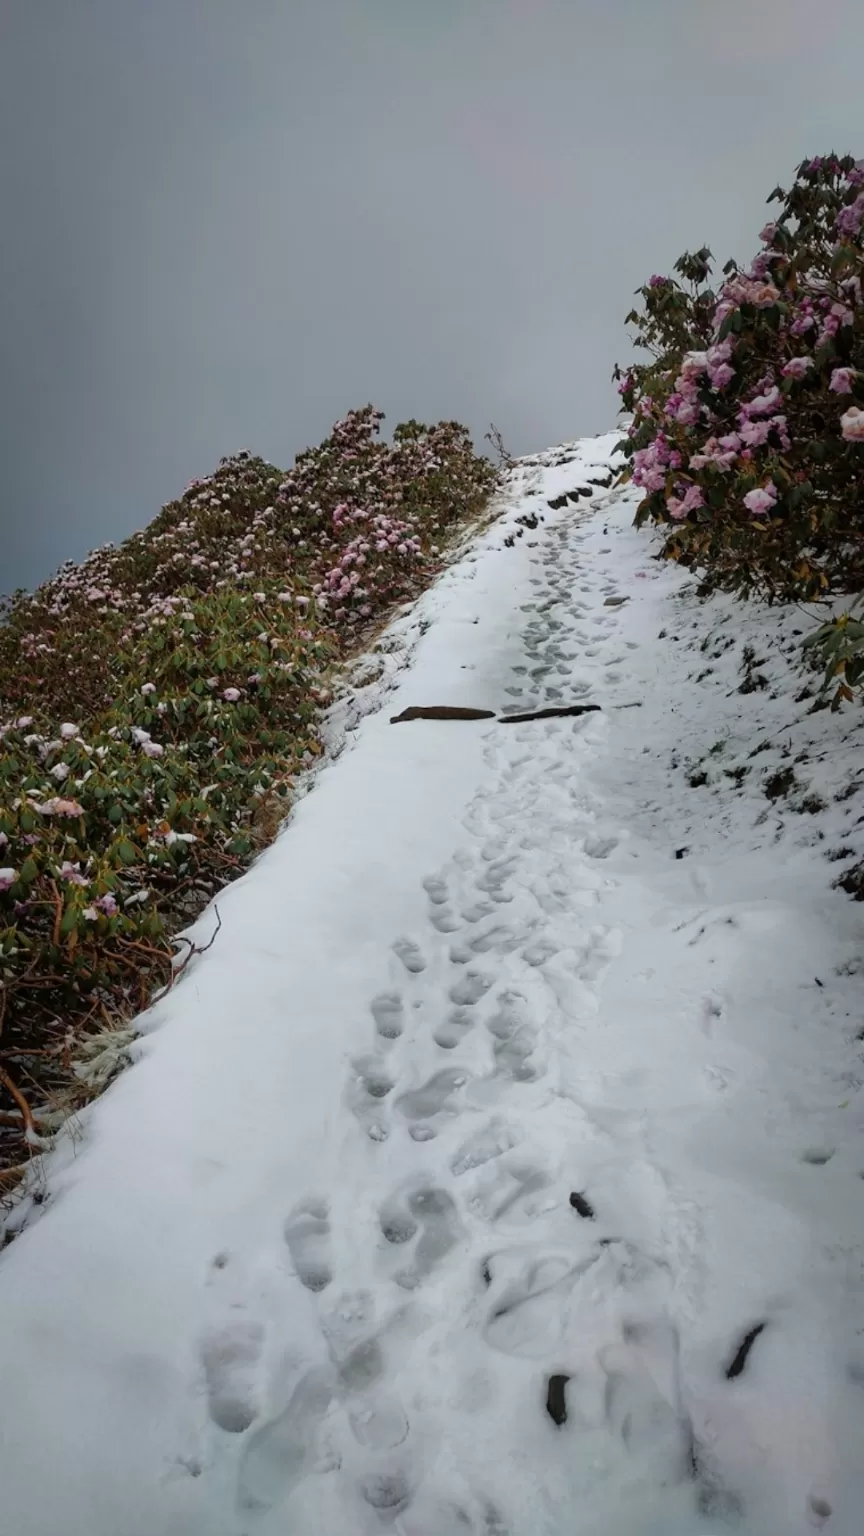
[[152, 749], [107, 904], [722, 375], [147, 688], [72, 873], [689, 502], [24, 721], [796, 367], [58, 808], [842, 381], [60, 771], [755, 433], [68, 732], [852, 425], [722, 452], [764, 405], [231, 695], [760, 501], [694, 365], [7, 878], [850, 219], [767, 234]]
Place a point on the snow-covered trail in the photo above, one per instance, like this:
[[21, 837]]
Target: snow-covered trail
[[498, 1171]]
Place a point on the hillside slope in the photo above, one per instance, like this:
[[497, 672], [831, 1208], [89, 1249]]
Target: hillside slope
[[499, 1167]]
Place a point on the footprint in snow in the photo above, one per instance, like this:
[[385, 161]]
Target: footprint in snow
[[455, 1027], [436, 890], [434, 1095], [307, 1233], [282, 1450], [387, 1010], [470, 988], [230, 1355], [492, 1141], [410, 955], [432, 1212]]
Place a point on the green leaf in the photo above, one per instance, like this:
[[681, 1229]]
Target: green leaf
[[28, 872], [115, 815], [126, 853]]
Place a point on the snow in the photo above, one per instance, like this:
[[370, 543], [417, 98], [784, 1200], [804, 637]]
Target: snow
[[517, 1057]]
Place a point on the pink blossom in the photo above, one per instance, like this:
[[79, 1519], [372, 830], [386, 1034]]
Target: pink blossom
[[231, 695], [107, 904], [796, 367], [767, 234], [58, 808], [152, 749], [722, 375], [68, 732], [694, 365], [715, 453], [755, 433], [24, 721], [760, 501], [764, 405], [842, 381], [7, 878], [689, 502], [60, 771], [852, 425], [72, 873], [147, 688], [850, 219], [686, 414]]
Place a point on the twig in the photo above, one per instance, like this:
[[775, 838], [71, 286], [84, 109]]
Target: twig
[[194, 949], [58, 913], [29, 1122]]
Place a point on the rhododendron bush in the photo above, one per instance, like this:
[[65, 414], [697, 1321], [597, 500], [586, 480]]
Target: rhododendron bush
[[747, 431], [156, 701]]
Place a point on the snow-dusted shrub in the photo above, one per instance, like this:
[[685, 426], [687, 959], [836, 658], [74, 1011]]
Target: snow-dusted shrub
[[747, 436], [157, 699]]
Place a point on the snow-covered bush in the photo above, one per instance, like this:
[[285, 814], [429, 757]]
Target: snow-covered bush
[[747, 435], [157, 700]]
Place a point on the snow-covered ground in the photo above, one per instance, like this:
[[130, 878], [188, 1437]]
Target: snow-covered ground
[[521, 1087]]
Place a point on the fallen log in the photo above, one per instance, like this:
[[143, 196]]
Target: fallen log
[[441, 712], [549, 714]]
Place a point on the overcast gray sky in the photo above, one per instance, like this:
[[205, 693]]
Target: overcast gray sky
[[225, 222]]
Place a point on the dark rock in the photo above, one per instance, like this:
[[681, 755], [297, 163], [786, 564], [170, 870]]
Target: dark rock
[[739, 1359], [556, 1401]]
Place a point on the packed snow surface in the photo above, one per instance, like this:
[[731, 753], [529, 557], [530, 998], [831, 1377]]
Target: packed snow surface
[[498, 1170]]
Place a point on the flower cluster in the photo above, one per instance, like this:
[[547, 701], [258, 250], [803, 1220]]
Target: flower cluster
[[748, 423]]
